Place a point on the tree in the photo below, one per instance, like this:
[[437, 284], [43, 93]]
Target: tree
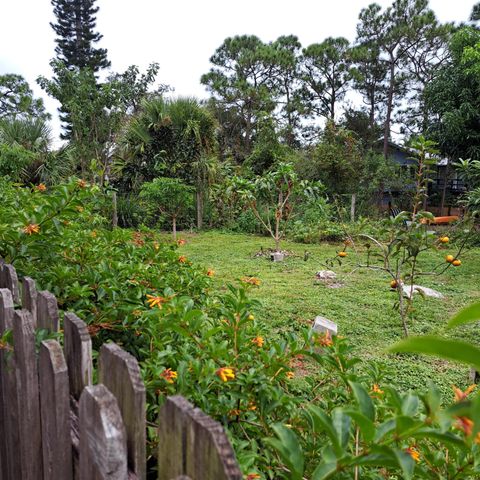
[[453, 97], [273, 197], [241, 82], [17, 100], [394, 32], [74, 27], [174, 138], [168, 196], [475, 15], [325, 74]]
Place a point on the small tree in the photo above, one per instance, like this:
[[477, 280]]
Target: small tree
[[169, 197], [273, 196]]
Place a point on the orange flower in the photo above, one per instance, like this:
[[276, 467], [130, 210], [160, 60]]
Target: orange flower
[[325, 340], [156, 300], [181, 242], [31, 228], [82, 183], [138, 239], [182, 258], [290, 375], [253, 476], [459, 395], [225, 374], [210, 272], [413, 452], [251, 280], [251, 405], [169, 375], [79, 208], [234, 413], [137, 313], [465, 424], [93, 234], [40, 187], [258, 341], [376, 389]]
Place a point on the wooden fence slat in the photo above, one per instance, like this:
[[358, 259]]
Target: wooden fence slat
[[200, 442], [29, 297], [10, 280], [120, 373], [47, 311], [55, 412], [28, 396], [103, 442], [78, 353], [8, 396]]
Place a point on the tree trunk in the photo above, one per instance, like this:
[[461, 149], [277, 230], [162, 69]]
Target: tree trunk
[[174, 222], [199, 209], [444, 189], [115, 210], [388, 119], [352, 207]]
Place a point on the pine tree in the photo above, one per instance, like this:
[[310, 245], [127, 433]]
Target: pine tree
[[76, 21]]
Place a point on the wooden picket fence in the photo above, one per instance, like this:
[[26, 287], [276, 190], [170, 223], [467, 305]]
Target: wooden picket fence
[[56, 425]]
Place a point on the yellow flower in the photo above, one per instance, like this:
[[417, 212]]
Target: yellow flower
[[156, 300], [31, 228], [459, 395], [325, 340], [169, 375], [40, 187], [376, 389], [156, 245], [79, 208], [258, 341], [182, 258], [225, 374], [413, 452], [251, 280], [210, 272], [93, 234], [251, 317], [290, 375]]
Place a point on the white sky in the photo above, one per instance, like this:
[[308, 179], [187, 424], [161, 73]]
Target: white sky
[[180, 35]]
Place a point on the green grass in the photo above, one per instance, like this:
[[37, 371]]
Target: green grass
[[362, 307]]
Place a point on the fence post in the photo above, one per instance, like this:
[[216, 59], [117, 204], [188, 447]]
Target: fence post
[[120, 373], [8, 395], [103, 445], [193, 444], [10, 281], [29, 298], [28, 396], [55, 412], [47, 311], [78, 353]]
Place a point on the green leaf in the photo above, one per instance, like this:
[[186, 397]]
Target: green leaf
[[467, 315], [409, 404], [341, 424], [364, 401], [449, 349], [322, 422], [324, 470], [406, 463], [367, 427], [289, 449]]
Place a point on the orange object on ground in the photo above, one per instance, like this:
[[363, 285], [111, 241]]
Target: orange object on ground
[[440, 220]]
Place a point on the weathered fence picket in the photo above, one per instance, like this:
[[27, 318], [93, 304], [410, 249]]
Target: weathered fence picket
[[56, 425]]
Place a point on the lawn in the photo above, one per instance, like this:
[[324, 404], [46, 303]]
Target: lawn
[[362, 307]]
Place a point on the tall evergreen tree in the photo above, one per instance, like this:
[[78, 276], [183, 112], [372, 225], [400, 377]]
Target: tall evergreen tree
[[75, 29]]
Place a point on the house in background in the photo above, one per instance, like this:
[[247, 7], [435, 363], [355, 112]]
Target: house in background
[[444, 187]]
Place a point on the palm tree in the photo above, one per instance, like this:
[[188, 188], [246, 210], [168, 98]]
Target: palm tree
[[173, 138]]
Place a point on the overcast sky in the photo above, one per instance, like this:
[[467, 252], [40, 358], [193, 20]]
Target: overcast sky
[[181, 35]]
